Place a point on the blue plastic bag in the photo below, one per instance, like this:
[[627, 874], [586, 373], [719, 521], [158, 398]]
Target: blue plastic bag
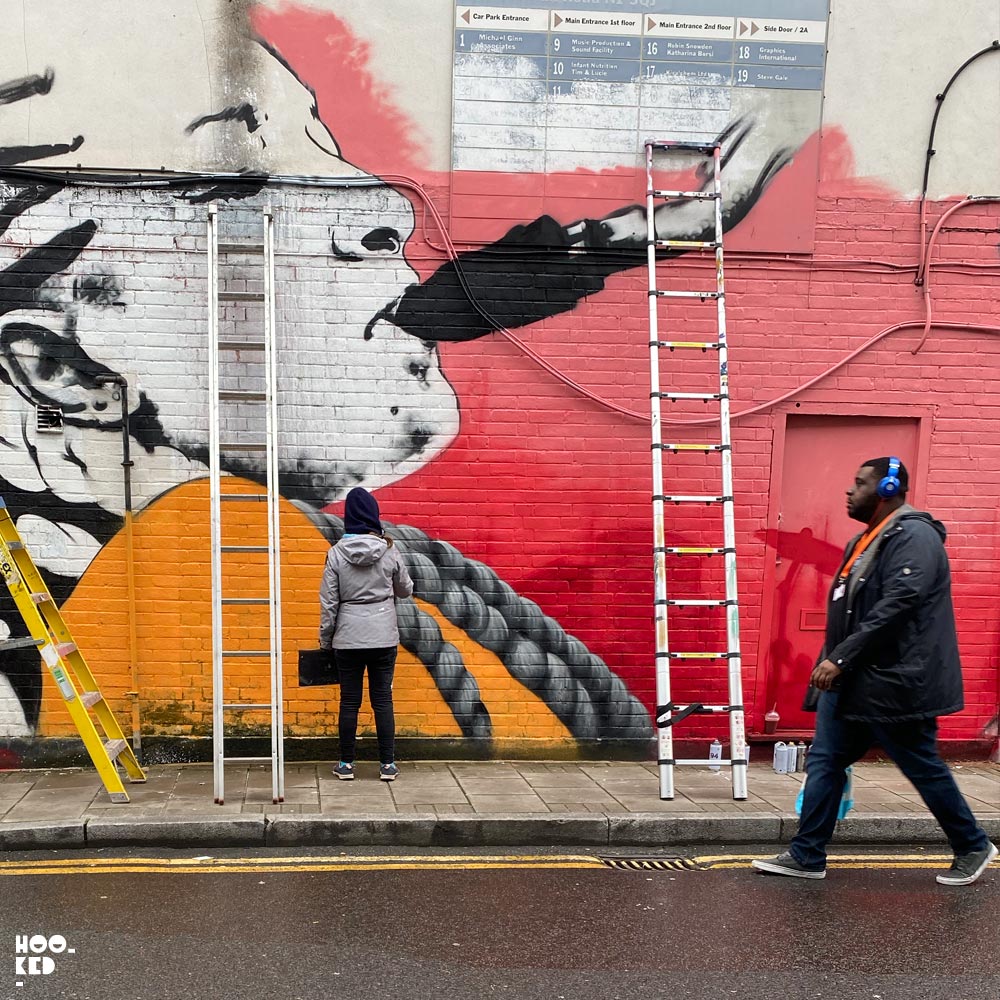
[[846, 800]]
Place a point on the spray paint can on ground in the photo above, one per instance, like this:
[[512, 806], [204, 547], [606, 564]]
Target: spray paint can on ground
[[715, 755], [800, 757]]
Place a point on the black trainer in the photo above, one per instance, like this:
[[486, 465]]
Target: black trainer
[[966, 868], [785, 864]]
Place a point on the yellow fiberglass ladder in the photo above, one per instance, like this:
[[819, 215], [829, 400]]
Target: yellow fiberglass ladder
[[66, 663], [669, 714]]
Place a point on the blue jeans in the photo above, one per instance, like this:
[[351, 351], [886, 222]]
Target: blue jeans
[[912, 747], [381, 664]]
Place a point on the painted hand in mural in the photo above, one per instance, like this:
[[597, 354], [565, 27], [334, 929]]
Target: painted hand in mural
[[562, 264]]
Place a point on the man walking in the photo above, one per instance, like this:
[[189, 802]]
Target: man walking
[[889, 668]]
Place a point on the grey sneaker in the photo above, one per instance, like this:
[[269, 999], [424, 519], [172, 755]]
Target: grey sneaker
[[785, 864], [388, 772], [344, 771], [966, 868]]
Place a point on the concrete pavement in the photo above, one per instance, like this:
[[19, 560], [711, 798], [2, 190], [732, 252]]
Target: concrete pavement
[[463, 803]]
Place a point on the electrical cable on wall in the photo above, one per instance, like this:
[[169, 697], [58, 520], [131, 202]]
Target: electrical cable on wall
[[183, 179]]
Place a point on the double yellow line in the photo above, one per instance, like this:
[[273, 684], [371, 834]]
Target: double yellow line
[[206, 864], [338, 863]]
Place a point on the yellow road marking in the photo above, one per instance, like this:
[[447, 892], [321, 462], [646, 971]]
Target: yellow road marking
[[114, 866], [451, 862]]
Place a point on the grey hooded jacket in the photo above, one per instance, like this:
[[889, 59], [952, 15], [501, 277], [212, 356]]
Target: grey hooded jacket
[[362, 578]]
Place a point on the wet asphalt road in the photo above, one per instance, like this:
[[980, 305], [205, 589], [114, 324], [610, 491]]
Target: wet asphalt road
[[592, 933]]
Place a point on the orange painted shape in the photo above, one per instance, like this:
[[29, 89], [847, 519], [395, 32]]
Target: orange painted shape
[[174, 617]]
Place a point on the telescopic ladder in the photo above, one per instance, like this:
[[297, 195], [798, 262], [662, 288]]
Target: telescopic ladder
[[243, 433], [65, 662], [669, 714]]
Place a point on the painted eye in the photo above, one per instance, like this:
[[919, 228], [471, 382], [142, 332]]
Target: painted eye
[[382, 238]]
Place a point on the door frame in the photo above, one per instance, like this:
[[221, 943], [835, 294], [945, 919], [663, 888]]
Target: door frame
[[924, 416]]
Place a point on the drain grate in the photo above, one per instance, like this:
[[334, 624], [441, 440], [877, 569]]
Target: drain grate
[[655, 864]]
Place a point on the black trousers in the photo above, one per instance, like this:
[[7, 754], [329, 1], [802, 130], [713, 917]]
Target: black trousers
[[351, 665]]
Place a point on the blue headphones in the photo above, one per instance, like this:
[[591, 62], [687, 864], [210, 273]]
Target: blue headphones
[[889, 485]]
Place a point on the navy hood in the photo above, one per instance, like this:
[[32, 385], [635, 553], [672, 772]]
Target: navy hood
[[361, 513]]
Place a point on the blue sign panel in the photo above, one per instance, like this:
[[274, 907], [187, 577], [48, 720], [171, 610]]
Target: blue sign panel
[[520, 43], [601, 46], [778, 54], [784, 78], [687, 50], [606, 70], [690, 74]]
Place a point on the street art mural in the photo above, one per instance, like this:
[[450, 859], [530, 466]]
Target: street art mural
[[75, 309], [522, 522]]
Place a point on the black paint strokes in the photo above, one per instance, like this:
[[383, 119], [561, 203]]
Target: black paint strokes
[[530, 274], [19, 283], [245, 113], [9, 155], [33, 194], [25, 87]]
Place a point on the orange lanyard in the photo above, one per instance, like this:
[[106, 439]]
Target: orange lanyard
[[862, 543]]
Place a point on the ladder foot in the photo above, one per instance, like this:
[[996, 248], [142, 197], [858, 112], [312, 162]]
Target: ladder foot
[[119, 797]]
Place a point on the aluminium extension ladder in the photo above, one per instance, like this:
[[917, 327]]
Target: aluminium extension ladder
[[243, 405], [669, 714], [65, 662]]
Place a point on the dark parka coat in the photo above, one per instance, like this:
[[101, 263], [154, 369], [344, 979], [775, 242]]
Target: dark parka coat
[[893, 631]]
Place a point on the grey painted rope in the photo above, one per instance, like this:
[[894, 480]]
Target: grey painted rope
[[420, 635], [581, 690]]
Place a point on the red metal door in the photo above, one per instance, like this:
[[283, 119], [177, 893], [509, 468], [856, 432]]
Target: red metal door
[[821, 455]]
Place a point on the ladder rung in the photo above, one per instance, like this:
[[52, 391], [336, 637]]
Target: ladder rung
[[695, 550], [241, 446], [694, 195], [698, 603], [709, 709], [256, 497], [237, 706], [688, 395], [241, 248], [702, 656], [246, 600], [42, 598], [688, 244], [15, 546], [89, 698], [683, 146], [241, 345], [686, 295], [691, 447], [244, 548], [248, 760], [243, 394], [703, 345], [692, 499], [241, 296], [246, 652], [65, 648], [725, 762], [114, 748]]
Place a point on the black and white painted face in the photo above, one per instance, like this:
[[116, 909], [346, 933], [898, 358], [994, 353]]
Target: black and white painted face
[[113, 281]]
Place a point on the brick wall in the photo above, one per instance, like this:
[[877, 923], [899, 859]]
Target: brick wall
[[484, 453]]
